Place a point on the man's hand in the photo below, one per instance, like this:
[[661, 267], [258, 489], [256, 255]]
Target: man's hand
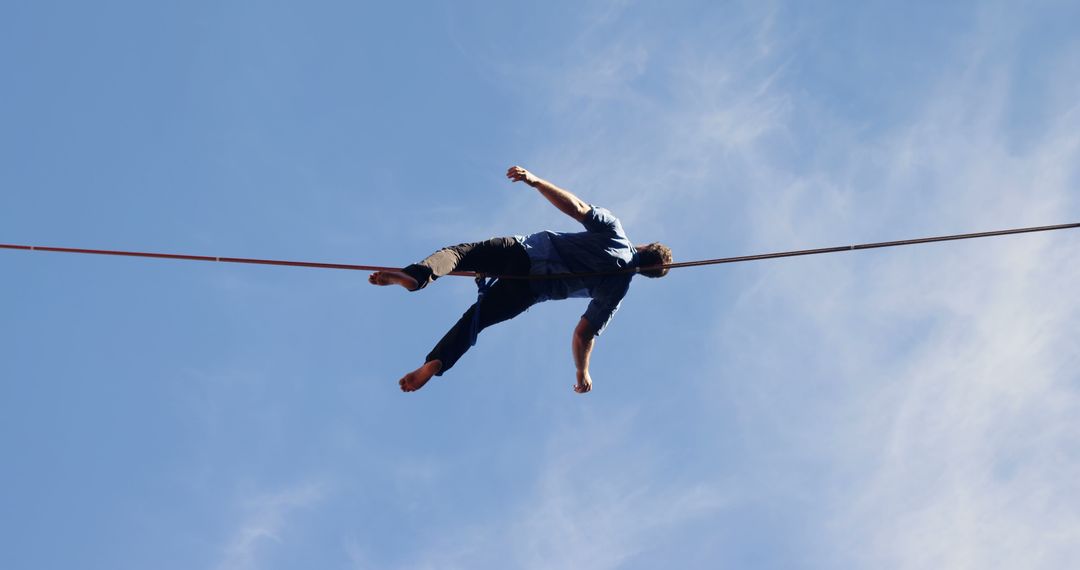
[[519, 174], [564, 200], [584, 382], [584, 335]]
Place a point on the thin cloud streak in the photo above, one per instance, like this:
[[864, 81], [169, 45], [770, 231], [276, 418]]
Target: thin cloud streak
[[592, 506], [265, 521], [981, 455], [952, 368]]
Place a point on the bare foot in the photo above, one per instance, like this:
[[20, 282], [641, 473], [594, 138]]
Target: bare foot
[[416, 379], [384, 278]]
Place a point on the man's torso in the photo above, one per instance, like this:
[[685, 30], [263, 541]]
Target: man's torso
[[603, 248]]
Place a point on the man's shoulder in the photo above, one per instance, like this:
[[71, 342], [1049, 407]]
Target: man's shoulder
[[600, 219]]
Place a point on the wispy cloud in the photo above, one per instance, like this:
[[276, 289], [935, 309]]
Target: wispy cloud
[[593, 505], [950, 371], [265, 521], [980, 456]]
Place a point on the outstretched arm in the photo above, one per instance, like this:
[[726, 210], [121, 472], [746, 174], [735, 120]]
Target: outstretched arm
[[584, 338], [564, 200]]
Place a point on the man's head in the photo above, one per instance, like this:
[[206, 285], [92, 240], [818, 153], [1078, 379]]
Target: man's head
[[653, 255]]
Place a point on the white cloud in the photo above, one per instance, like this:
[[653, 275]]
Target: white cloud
[[950, 370], [979, 460], [597, 503], [265, 521]]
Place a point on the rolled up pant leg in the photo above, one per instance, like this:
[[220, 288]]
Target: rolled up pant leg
[[496, 256], [507, 299]]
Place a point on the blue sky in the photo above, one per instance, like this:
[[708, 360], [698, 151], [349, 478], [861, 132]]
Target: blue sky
[[910, 408]]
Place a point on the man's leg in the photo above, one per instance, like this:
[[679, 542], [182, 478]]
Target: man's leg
[[506, 299], [496, 256]]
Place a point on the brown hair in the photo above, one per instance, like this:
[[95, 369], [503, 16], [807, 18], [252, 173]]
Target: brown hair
[[651, 256]]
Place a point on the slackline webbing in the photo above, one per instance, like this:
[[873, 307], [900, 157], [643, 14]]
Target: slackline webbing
[[699, 263]]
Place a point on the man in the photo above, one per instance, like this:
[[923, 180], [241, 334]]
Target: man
[[602, 249]]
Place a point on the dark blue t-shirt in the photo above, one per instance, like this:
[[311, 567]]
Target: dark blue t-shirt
[[603, 247]]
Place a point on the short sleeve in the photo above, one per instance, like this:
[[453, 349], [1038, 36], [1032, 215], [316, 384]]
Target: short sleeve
[[606, 300], [601, 220], [599, 314]]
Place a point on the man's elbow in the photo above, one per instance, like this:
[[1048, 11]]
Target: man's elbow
[[585, 331]]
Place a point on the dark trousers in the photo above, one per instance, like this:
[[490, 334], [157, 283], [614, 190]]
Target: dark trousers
[[507, 299]]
